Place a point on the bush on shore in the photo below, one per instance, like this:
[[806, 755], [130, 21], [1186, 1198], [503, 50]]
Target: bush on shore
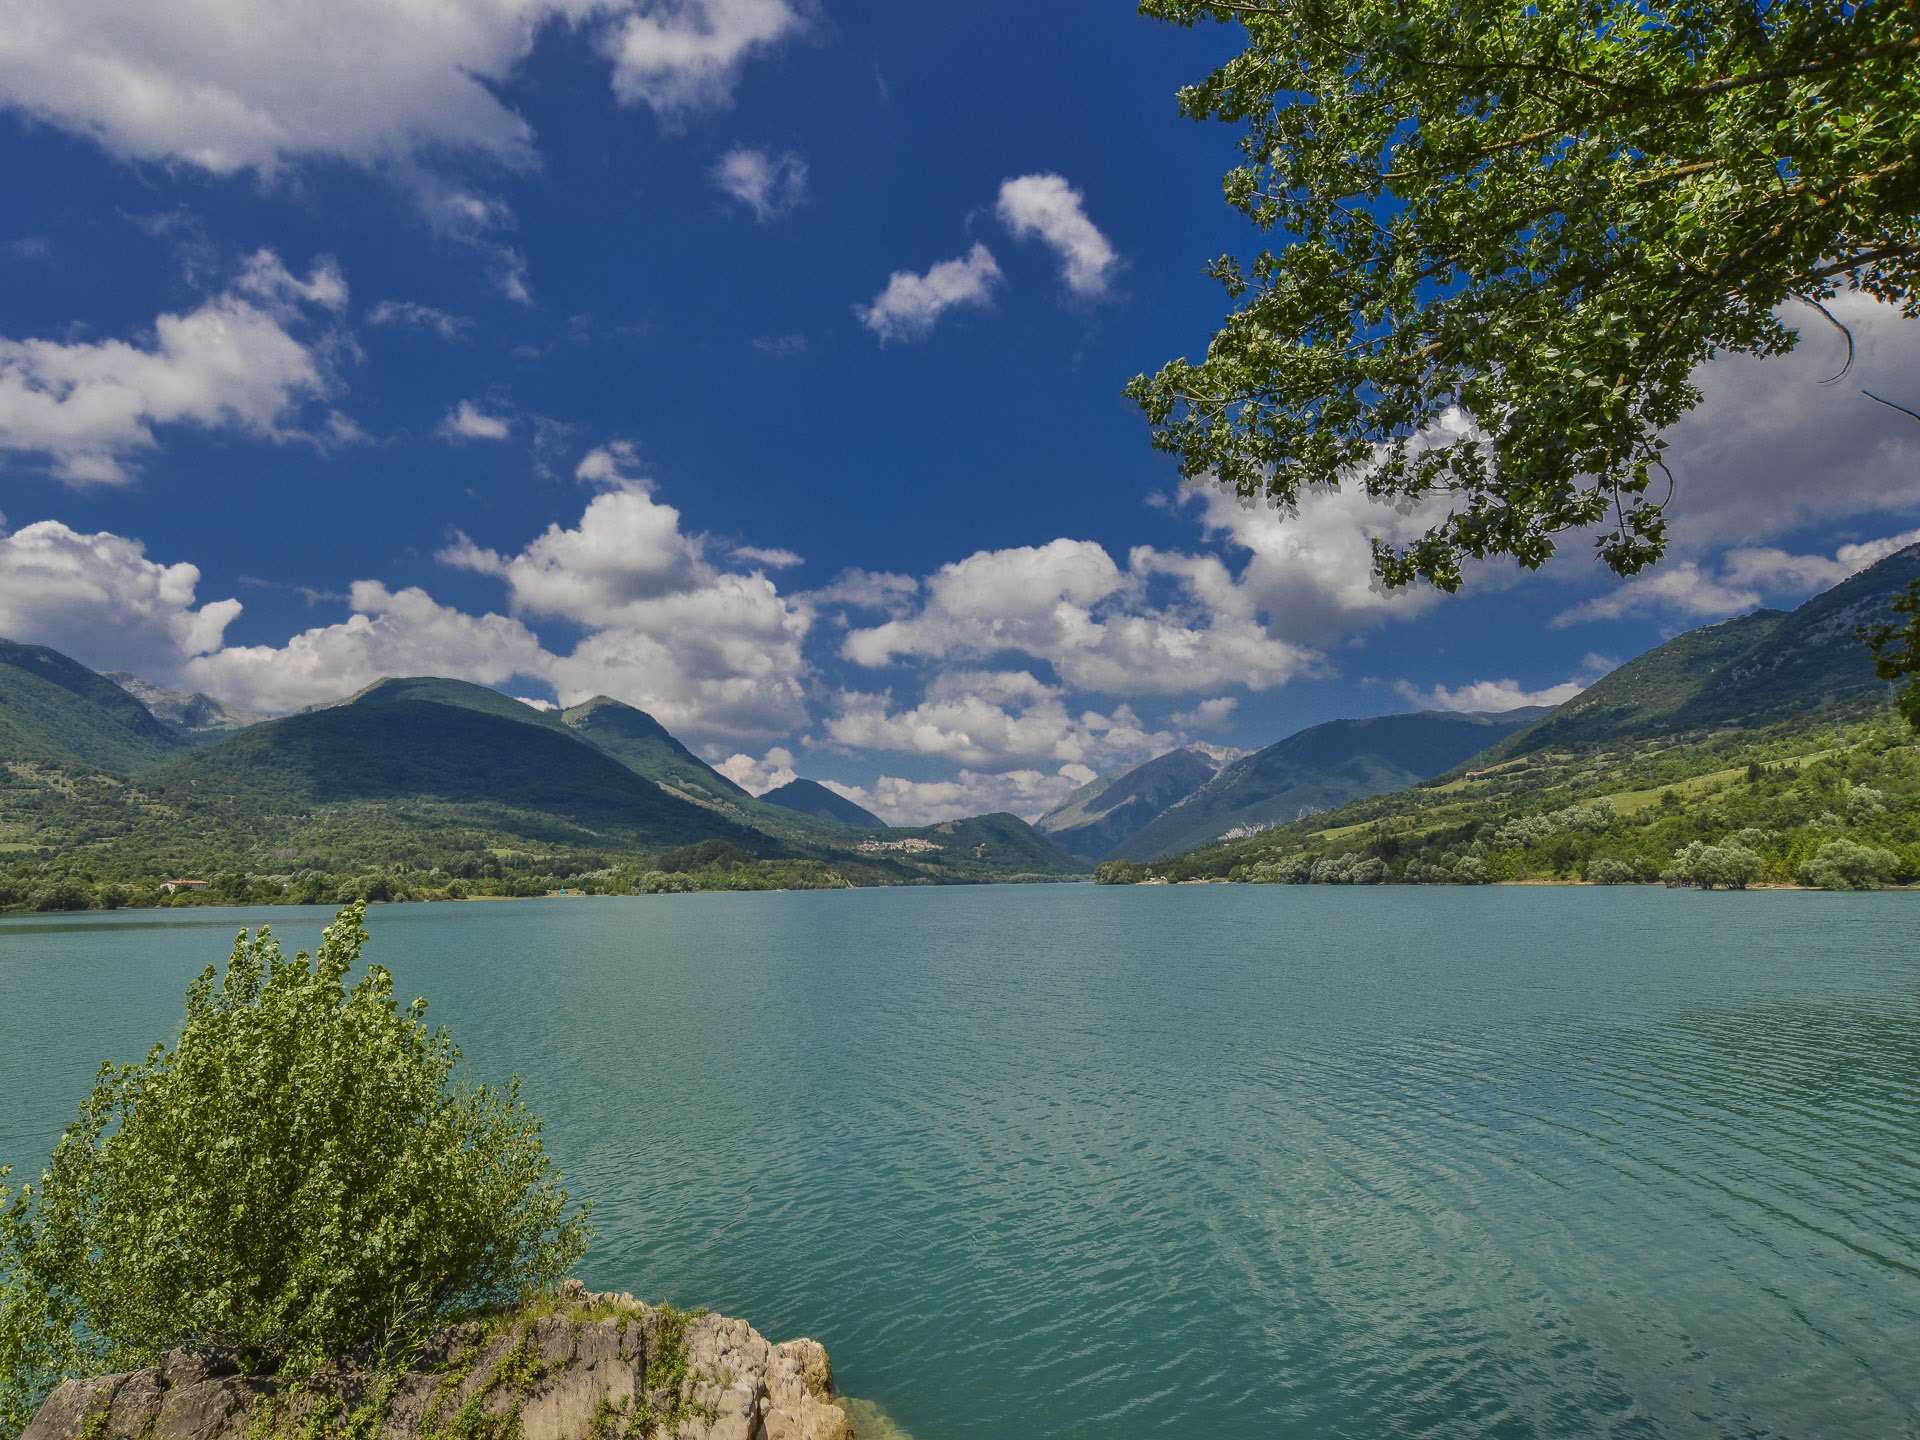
[[303, 1175]]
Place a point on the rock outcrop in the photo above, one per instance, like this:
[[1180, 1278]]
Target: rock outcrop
[[584, 1367]]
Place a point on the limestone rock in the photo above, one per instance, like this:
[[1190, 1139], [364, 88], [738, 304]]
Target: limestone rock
[[579, 1373]]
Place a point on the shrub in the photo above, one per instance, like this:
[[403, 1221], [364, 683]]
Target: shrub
[[1843, 865], [1713, 866], [1607, 871], [301, 1175]]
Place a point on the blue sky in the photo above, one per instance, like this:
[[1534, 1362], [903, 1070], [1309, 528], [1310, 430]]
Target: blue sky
[[757, 362]]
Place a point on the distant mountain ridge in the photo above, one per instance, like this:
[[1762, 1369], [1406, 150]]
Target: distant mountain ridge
[[1749, 671], [810, 797], [1318, 769], [194, 714], [1109, 810], [421, 767]]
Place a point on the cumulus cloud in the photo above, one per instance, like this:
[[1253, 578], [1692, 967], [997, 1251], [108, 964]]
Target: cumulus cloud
[[870, 590], [774, 559], [1069, 604], [100, 599], [1026, 793], [757, 777], [412, 316], [1215, 714], [768, 185], [232, 363], [994, 718], [467, 421], [390, 632], [910, 305], [1771, 450], [712, 653], [1493, 696], [1047, 208], [1737, 581], [245, 85], [681, 57]]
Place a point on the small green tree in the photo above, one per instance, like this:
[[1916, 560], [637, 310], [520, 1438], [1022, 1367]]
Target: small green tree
[[301, 1175]]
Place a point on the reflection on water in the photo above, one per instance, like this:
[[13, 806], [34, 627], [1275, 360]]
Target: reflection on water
[[1286, 1161]]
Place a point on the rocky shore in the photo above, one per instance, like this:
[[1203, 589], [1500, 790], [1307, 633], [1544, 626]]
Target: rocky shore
[[579, 1367]]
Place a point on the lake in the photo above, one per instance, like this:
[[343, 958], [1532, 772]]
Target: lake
[[1254, 1161]]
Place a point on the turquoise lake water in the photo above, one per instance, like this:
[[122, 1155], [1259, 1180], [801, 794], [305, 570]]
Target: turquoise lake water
[[1200, 1161]]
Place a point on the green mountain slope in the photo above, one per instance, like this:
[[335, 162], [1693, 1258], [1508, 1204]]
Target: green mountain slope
[[1111, 809], [1319, 769], [53, 708], [809, 797], [1753, 671], [642, 744], [1769, 733], [496, 770], [461, 693]]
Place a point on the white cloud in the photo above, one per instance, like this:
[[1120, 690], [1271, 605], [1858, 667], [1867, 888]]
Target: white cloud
[[100, 599], [994, 718], [870, 590], [757, 777], [1311, 572], [781, 347], [231, 363], [467, 421], [1067, 603], [768, 185], [403, 632], [1737, 582], [1771, 450], [1215, 714], [1488, 696], [1026, 793], [231, 85], [680, 57], [1048, 208], [774, 559], [612, 464], [1774, 571], [714, 655], [909, 306], [420, 317]]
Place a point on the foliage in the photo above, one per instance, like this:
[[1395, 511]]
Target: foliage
[[301, 1175], [1712, 867], [1512, 229], [1896, 650], [1843, 865]]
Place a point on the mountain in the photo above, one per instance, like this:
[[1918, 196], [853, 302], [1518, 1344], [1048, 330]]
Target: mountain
[[194, 715], [55, 709], [1757, 731], [982, 847], [1743, 673], [809, 797], [642, 744], [1111, 809], [1319, 769], [485, 768]]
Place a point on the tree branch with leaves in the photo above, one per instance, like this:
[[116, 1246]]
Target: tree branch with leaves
[[1507, 232]]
